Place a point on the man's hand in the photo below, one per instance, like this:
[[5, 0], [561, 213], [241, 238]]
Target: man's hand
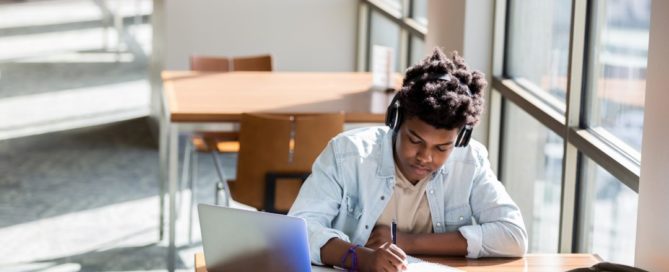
[[387, 257], [380, 236]]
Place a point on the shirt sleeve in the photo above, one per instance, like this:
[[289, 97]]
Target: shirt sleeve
[[500, 231], [318, 202]]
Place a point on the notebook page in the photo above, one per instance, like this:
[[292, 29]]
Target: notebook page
[[414, 265], [418, 265]]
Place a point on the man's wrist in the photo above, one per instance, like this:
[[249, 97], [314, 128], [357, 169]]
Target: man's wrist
[[406, 242], [364, 256]]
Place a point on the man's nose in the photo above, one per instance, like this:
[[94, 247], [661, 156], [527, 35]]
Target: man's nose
[[424, 156]]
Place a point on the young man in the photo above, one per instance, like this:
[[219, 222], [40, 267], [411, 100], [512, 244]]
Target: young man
[[422, 172]]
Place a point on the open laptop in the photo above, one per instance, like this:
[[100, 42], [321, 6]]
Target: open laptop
[[240, 240]]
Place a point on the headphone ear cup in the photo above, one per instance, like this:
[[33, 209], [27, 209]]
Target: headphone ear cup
[[393, 113], [398, 119], [464, 136], [390, 116], [467, 137]]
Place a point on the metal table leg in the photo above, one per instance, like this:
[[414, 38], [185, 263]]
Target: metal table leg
[[172, 187]]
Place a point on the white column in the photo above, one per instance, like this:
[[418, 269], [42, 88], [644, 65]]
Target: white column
[[466, 27], [446, 27], [652, 237]]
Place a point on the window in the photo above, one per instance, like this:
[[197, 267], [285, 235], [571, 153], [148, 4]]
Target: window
[[417, 50], [533, 177], [578, 69], [618, 60], [419, 11], [385, 32], [609, 215], [398, 24], [394, 4], [542, 63]]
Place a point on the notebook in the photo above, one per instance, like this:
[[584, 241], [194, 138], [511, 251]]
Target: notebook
[[418, 265]]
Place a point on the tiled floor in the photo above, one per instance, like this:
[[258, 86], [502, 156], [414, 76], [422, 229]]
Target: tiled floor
[[87, 200], [78, 165]]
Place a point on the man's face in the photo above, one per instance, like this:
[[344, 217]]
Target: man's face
[[420, 149]]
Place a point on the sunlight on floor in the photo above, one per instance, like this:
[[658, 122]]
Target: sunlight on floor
[[129, 224], [54, 111], [44, 13]]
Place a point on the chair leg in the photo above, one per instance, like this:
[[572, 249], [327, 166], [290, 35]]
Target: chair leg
[[193, 192], [217, 193], [222, 180], [188, 153]]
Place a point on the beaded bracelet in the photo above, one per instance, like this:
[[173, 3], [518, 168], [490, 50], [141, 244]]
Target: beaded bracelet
[[354, 262]]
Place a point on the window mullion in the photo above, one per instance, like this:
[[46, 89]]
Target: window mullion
[[570, 168], [363, 36], [495, 102]]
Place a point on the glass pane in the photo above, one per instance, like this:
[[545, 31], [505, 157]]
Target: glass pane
[[533, 176], [419, 11], [618, 68], [394, 4], [384, 32], [610, 210], [543, 62], [417, 50]]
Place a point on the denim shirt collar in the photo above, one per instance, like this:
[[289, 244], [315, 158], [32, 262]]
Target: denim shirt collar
[[386, 168]]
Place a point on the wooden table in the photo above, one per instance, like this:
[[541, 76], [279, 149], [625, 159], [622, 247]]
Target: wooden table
[[197, 101], [531, 262], [223, 97]]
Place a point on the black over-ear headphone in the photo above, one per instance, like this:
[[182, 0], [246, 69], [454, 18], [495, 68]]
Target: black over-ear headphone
[[395, 116]]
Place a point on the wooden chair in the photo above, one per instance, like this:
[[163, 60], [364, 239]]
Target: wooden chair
[[276, 154], [215, 142], [252, 63], [227, 141], [210, 64], [224, 64]]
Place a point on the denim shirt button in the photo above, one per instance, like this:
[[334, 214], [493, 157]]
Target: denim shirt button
[[366, 226], [431, 192], [438, 224], [383, 197], [461, 218]]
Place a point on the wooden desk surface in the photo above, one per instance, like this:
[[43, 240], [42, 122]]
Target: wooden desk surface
[[221, 97], [531, 262]]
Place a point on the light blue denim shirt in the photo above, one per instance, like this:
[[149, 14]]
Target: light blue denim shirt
[[353, 179]]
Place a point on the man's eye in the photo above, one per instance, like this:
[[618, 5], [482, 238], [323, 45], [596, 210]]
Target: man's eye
[[414, 141], [442, 149]]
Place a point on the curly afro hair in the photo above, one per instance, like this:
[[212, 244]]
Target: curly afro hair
[[443, 92]]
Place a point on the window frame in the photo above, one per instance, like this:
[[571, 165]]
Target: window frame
[[409, 29], [570, 123]]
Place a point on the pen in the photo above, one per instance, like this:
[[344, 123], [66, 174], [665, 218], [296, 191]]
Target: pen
[[393, 231]]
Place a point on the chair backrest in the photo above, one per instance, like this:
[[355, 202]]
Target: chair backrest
[[252, 63], [283, 144], [260, 63], [210, 64]]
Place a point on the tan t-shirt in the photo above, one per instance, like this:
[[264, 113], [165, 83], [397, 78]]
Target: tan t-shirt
[[408, 205]]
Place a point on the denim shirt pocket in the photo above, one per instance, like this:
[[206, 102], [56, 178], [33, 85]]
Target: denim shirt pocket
[[457, 217], [352, 208]]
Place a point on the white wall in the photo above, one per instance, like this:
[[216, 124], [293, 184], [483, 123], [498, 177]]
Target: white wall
[[652, 238], [302, 35]]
